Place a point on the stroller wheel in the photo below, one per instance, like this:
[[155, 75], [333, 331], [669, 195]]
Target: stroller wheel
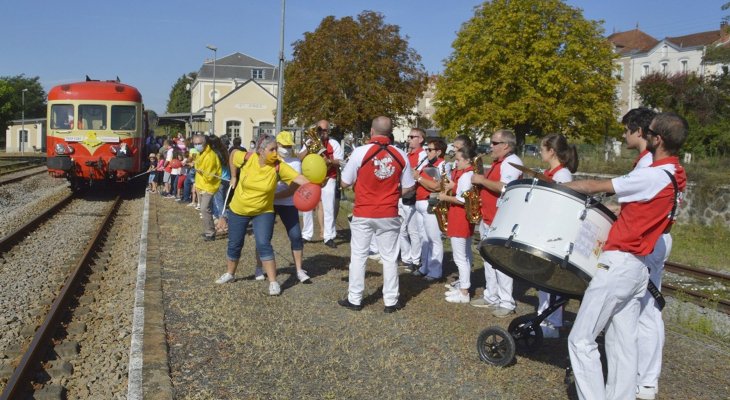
[[526, 332], [496, 346]]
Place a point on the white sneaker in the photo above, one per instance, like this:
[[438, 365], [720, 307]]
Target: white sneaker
[[302, 275], [453, 285], [549, 331], [225, 278], [457, 297], [259, 274], [274, 289], [645, 392], [374, 256], [191, 204]]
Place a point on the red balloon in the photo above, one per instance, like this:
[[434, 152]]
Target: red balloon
[[307, 197]]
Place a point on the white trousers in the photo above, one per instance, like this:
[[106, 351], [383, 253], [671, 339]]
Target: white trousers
[[410, 237], [498, 288], [611, 302], [328, 208], [461, 248], [432, 247], [651, 325], [385, 231], [556, 318]]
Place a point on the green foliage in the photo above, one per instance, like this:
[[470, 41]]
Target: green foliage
[[351, 70], [11, 99], [533, 66], [179, 101], [703, 101]]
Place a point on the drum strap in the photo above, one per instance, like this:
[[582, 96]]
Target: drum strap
[[673, 214], [656, 294]]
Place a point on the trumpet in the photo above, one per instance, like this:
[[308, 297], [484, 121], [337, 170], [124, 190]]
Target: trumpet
[[472, 200], [314, 143]]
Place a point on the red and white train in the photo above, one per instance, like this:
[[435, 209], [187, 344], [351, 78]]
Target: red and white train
[[96, 132]]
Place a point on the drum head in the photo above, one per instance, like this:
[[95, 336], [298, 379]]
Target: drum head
[[541, 269]]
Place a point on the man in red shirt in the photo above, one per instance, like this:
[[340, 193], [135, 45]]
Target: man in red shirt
[[648, 198], [333, 155], [498, 288], [410, 231], [378, 171]]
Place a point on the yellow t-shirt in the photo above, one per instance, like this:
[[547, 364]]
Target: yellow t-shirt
[[256, 185]]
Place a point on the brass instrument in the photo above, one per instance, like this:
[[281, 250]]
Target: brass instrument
[[441, 209], [472, 200], [315, 143]]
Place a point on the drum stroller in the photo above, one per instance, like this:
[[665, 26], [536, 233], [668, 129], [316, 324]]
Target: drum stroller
[[551, 237]]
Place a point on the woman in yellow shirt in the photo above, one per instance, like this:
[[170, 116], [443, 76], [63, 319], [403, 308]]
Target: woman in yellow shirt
[[254, 177]]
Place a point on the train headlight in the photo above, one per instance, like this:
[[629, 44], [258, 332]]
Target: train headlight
[[63, 149]]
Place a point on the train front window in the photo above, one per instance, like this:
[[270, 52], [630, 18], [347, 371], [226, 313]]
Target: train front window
[[124, 118], [92, 116], [62, 116]]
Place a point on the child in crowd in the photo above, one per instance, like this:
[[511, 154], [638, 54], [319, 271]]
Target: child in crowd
[[459, 230], [152, 169]]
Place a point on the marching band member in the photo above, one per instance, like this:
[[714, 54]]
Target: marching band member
[[380, 171], [498, 289], [459, 229], [410, 235], [612, 301], [562, 160], [333, 155], [651, 326], [432, 247]]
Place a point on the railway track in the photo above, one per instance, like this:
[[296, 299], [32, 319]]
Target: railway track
[[36, 363], [694, 296], [20, 174]]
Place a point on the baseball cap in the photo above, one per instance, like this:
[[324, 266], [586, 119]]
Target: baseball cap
[[285, 138]]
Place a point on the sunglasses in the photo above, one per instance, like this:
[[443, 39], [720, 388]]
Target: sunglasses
[[653, 132], [430, 149], [496, 143], [413, 136]]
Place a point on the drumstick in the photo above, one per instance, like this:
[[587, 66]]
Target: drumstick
[[532, 173]]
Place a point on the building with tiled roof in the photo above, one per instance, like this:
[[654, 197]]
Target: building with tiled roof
[[639, 54], [245, 93]]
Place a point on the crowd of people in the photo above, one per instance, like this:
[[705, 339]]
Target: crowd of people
[[407, 202]]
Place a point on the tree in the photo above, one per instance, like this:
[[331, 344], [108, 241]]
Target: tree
[[533, 66], [703, 101], [351, 70], [179, 101], [721, 53], [11, 99]]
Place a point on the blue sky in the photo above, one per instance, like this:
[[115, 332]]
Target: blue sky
[[150, 43]]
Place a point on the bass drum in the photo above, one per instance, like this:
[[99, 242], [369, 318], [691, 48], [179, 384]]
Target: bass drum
[[548, 235]]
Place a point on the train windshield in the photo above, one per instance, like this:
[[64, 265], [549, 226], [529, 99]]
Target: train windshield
[[62, 116], [92, 116], [124, 118]]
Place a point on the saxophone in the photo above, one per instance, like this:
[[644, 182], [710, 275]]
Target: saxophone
[[472, 200], [441, 210], [315, 143]]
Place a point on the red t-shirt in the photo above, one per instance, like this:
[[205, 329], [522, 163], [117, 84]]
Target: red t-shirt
[[458, 225], [377, 180], [647, 198], [421, 192]]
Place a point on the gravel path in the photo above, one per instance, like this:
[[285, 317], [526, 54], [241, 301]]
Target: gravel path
[[235, 341]]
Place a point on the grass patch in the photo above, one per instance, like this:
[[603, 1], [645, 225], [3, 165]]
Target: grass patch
[[701, 246]]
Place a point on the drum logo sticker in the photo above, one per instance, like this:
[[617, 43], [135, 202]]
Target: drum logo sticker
[[587, 238]]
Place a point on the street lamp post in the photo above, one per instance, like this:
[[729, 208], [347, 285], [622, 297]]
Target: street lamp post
[[280, 91], [23, 135], [189, 88], [215, 56]]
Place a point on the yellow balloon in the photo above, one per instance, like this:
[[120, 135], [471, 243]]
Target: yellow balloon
[[314, 168]]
